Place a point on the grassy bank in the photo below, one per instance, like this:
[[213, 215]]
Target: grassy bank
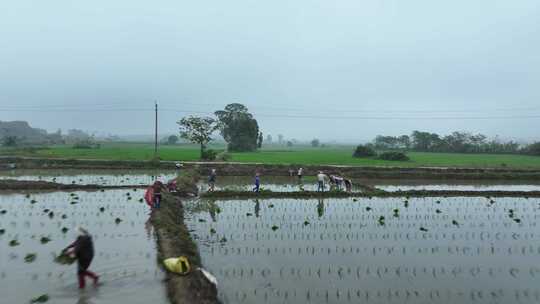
[[338, 155], [173, 240]]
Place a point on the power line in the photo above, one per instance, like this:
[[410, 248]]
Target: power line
[[83, 107], [295, 116]]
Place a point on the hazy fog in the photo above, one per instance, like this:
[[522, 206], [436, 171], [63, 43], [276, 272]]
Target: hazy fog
[[343, 70]]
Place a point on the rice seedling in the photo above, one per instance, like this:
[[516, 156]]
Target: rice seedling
[[41, 299], [44, 240], [30, 257]]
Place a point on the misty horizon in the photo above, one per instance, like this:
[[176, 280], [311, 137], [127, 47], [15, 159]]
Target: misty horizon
[[342, 72]]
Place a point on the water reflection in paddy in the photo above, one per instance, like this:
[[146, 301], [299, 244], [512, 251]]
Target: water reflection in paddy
[[336, 251], [272, 183]]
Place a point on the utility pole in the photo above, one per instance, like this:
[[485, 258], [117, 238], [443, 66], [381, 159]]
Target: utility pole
[[155, 138]]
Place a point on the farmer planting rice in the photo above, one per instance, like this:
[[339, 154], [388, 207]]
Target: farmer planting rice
[[337, 181], [83, 249], [348, 185], [257, 182], [320, 181]]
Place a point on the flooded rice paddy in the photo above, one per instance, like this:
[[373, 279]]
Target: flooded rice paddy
[[427, 250], [272, 183], [458, 185], [91, 177], [391, 250], [125, 249]]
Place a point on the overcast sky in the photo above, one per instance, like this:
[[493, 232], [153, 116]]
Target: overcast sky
[[337, 70]]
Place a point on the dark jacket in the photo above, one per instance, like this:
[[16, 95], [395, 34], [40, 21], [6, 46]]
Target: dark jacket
[[84, 248]]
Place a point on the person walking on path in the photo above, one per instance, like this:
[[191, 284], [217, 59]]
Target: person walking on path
[[320, 181], [178, 166], [300, 173], [212, 180], [257, 183], [83, 248]]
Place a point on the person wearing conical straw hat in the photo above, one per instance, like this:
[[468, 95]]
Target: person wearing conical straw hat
[[83, 249]]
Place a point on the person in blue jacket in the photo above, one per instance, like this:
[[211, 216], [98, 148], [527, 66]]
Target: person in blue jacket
[[257, 182]]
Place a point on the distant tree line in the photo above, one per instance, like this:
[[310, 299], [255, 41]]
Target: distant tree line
[[456, 142]]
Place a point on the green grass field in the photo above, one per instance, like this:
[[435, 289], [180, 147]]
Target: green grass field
[[339, 155]]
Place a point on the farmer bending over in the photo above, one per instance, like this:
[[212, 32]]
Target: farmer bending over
[[348, 184], [83, 248]]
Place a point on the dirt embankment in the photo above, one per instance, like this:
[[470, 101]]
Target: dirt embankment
[[378, 193], [249, 169], [173, 240]]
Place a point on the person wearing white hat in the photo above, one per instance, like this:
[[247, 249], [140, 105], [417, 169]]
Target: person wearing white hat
[[320, 181]]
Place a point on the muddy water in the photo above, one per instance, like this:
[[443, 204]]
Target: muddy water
[[125, 252], [95, 177], [245, 183], [272, 183], [344, 255]]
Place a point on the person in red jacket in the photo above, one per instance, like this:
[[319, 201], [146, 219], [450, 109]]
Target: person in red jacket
[[83, 248], [157, 187]]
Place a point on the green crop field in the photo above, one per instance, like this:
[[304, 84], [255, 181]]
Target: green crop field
[[338, 155]]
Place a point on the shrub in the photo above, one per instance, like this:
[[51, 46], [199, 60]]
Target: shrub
[[364, 151], [208, 154], [533, 149], [86, 144], [395, 156], [186, 182], [10, 141]]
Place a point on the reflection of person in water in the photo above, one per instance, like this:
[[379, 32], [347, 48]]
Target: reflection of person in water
[[212, 180], [149, 228], [212, 207], [257, 207], [320, 207]]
